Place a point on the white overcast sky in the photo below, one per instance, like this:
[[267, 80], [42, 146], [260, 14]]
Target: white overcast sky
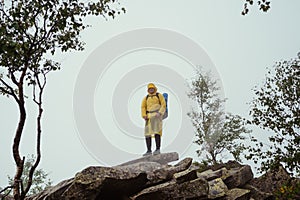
[[241, 48]]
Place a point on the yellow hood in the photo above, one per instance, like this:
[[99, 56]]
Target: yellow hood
[[151, 85]]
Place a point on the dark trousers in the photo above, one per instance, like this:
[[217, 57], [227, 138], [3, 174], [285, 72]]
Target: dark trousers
[[157, 142]]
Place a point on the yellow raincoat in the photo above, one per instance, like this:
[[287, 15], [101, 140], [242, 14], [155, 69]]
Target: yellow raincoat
[[150, 107]]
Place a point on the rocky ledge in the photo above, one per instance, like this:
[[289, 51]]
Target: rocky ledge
[[152, 178]]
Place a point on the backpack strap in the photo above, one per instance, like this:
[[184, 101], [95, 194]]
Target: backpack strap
[[155, 95]]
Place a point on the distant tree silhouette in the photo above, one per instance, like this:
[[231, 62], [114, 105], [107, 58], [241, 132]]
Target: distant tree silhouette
[[263, 5], [276, 109], [217, 132]]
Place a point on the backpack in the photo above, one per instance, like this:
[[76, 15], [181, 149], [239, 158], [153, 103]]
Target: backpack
[[165, 95]]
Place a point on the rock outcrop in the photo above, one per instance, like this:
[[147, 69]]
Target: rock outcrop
[[152, 178]]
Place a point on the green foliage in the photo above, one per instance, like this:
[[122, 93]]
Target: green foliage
[[288, 191], [31, 29], [276, 109], [202, 166], [263, 5], [216, 131], [233, 128], [40, 179]]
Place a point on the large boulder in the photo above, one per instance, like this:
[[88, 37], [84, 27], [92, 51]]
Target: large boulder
[[181, 166], [163, 159], [121, 181], [150, 178], [238, 194], [211, 175], [96, 183], [217, 188], [54, 192], [117, 182], [171, 190], [186, 175], [238, 177], [271, 180], [156, 172], [257, 194], [105, 183]]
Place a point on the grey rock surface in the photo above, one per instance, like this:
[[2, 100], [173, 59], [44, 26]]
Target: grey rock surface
[[238, 177], [163, 159], [150, 178], [172, 190]]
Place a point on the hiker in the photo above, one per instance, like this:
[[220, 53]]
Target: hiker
[[153, 108]]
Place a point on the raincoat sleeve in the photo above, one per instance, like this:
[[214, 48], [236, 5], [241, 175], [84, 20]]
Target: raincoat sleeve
[[163, 104], [144, 107]]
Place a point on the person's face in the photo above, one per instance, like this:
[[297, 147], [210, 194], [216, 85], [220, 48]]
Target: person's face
[[151, 90]]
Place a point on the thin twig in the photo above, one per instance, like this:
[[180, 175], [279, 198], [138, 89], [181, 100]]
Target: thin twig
[[6, 188]]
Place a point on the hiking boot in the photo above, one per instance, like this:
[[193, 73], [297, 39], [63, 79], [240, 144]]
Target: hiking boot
[[148, 153], [156, 152]]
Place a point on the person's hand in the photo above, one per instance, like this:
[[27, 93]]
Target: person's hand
[[157, 114], [145, 117]]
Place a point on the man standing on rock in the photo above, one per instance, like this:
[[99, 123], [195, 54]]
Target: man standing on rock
[[153, 108]]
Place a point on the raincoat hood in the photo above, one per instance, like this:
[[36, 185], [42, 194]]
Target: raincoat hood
[[151, 85]]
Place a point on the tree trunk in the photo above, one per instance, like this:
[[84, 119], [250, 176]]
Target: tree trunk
[[17, 185], [213, 157], [38, 148], [16, 154]]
